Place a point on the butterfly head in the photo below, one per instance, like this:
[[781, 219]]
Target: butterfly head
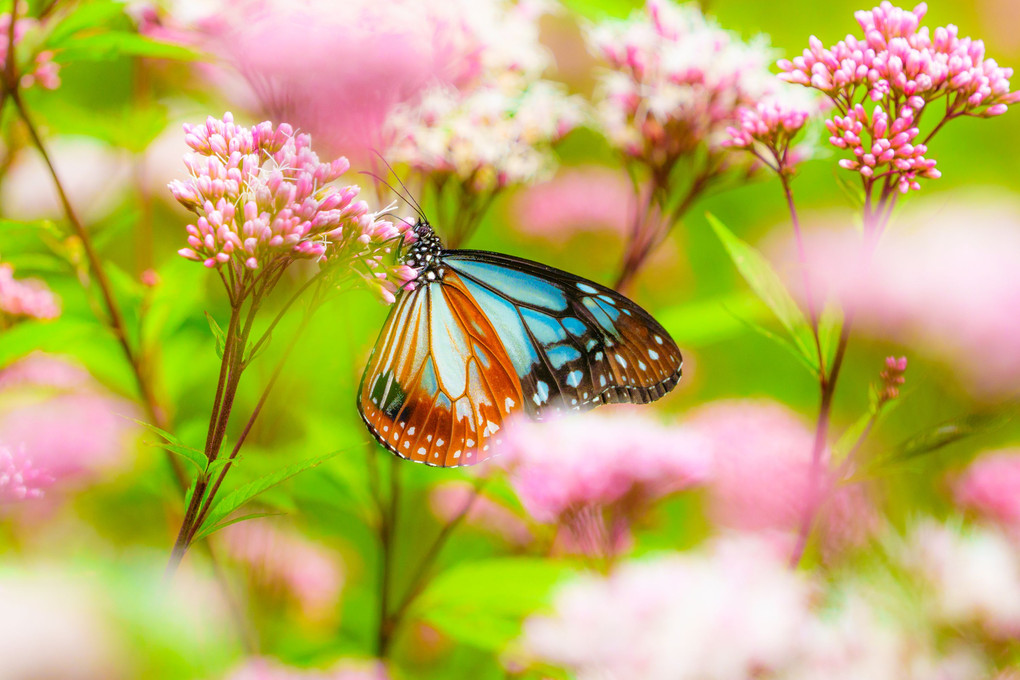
[[424, 255]]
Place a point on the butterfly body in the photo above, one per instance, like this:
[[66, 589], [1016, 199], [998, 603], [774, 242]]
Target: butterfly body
[[482, 336]]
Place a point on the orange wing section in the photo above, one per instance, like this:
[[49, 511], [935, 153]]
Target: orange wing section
[[439, 384]]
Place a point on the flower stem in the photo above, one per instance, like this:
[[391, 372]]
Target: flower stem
[[387, 530], [421, 572]]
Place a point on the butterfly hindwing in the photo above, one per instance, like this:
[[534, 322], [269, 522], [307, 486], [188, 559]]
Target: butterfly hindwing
[[439, 384], [574, 343]]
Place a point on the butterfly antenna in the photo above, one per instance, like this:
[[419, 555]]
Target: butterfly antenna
[[405, 199], [410, 198]]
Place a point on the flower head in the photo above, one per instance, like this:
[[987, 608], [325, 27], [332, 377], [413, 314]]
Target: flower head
[[901, 67], [675, 81], [990, 486], [585, 198], [263, 198], [772, 124], [284, 561], [761, 480], [611, 465], [485, 138], [666, 618], [19, 479], [972, 577], [892, 378], [40, 70], [25, 298], [59, 425]]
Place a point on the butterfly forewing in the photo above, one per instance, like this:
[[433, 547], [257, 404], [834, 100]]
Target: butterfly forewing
[[439, 384], [573, 343]]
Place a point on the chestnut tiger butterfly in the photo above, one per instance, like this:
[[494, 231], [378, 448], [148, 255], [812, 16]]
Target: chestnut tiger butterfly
[[482, 336]]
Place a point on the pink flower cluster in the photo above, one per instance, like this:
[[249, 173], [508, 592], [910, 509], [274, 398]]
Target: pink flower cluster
[[927, 288], [903, 67], [891, 151], [485, 138], [44, 70], [606, 470], [19, 479], [892, 378], [990, 487], [28, 298], [761, 480], [269, 669], [284, 561], [769, 127], [735, 612], [675, 81], [263, 198], [58, 422]]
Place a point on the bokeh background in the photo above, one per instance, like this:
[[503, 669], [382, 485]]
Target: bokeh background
[[913, 567]]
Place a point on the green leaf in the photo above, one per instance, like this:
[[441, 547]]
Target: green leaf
[[783, 342], [114, 44], [482, 603], [767, 285], [86, 17], [234, 520], [601, 9], [217, 333], [235, 499], [949, 432], [175, 445]]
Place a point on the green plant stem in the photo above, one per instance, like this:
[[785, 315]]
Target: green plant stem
[[277, 371], [422, 570], [387, 530]]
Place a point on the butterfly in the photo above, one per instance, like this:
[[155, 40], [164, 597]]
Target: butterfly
[[482, 336]]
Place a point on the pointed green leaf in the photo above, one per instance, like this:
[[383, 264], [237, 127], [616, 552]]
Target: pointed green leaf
[[175, 445], [783, 342], [113, 44], [768, 286], [217, 333], [950, 431], [206, 531], [235, 499]]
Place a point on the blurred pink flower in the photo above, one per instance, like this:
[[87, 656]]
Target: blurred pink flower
[[62, 423], [285, 561], [269, 669], [595, 472], [25, 298], [731, 613], [485, 138], [990, 486], [449, 499], [39, 69], [53, 625], [931, 288], [972, 576], [902, 68], [761, 476], [263, 198], [19, 479], [95, 175], [584, 198], [675, 81]]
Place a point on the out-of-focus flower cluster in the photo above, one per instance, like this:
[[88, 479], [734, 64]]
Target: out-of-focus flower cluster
[[285, 562], [485, 138], [927, 288], [762, 482], [493, 120], [893, 377], [902, 68], [264, 198], [59, 427], [675, 82], [736, 610], [605, 471], [40, 70], [672, 616], [26, 298], [990, 487]]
